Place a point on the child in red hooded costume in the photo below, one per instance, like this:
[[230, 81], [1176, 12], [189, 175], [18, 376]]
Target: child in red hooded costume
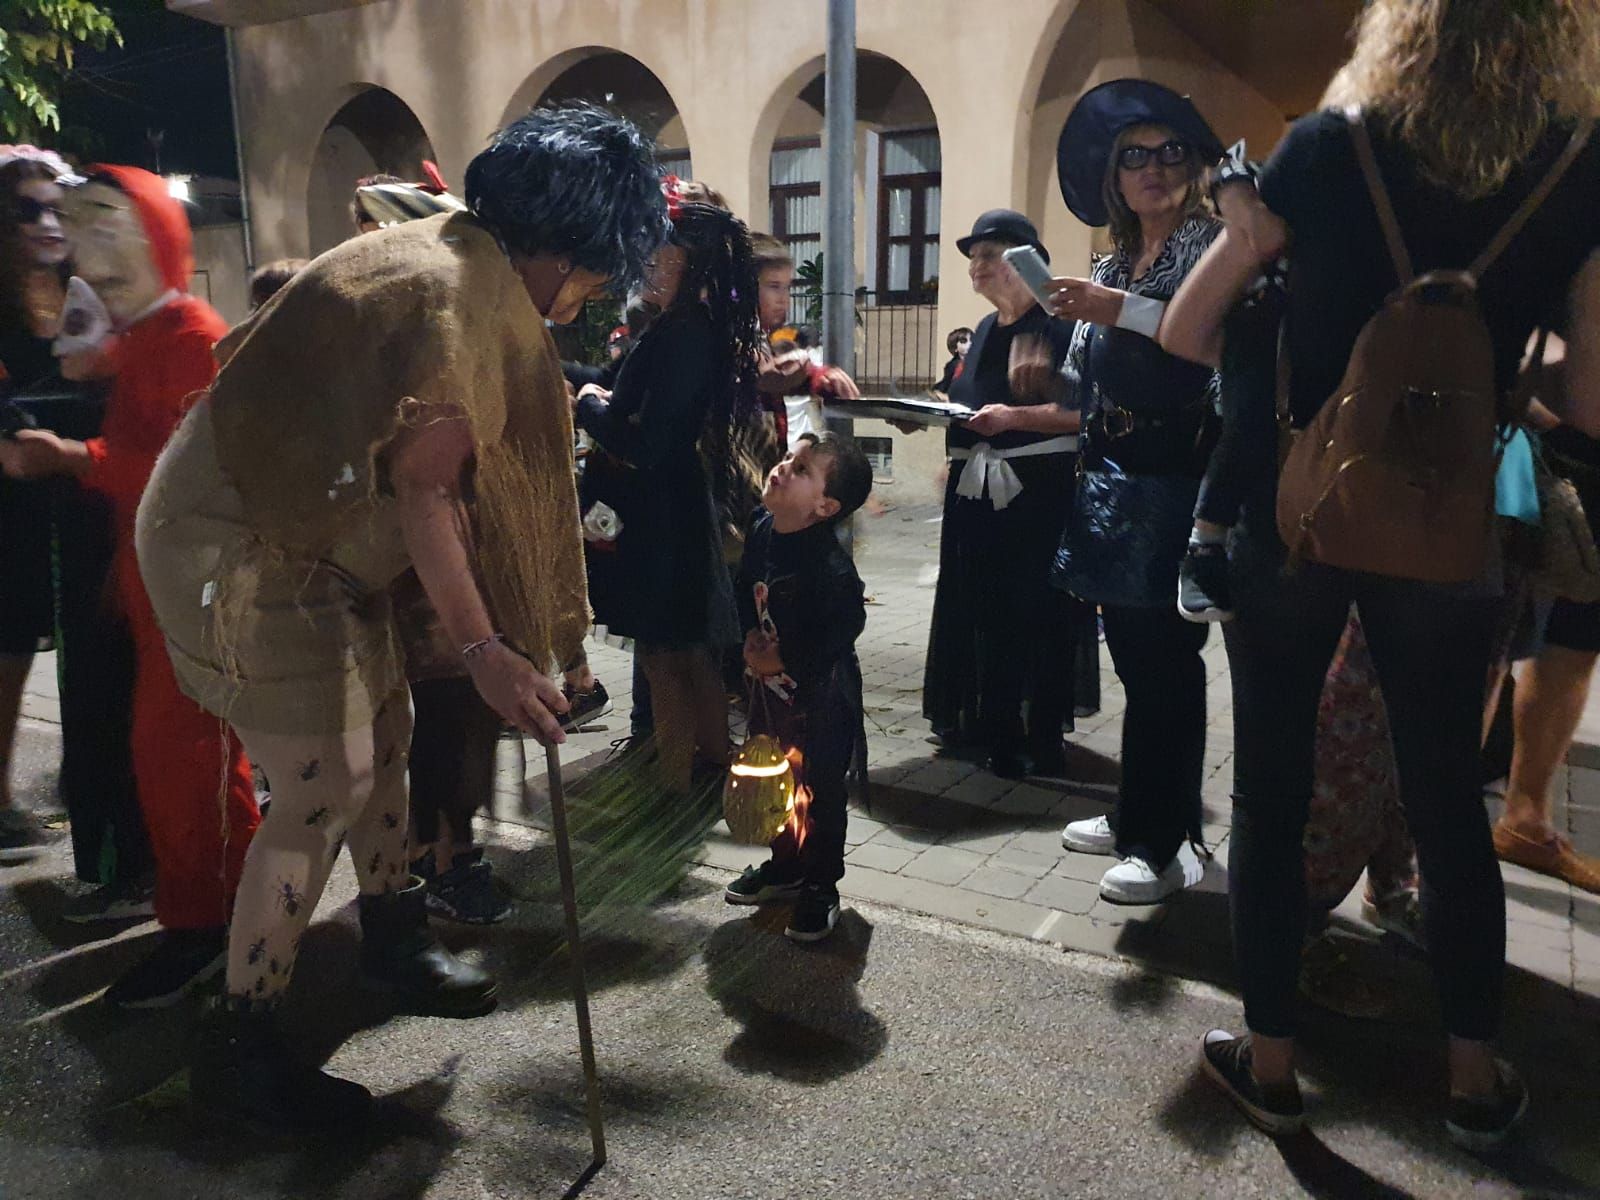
[[135, 251]]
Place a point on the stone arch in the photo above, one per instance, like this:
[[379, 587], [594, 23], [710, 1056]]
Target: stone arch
[[372, 131], [614, 79]]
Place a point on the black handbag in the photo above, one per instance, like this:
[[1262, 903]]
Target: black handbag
[[1125, 538]]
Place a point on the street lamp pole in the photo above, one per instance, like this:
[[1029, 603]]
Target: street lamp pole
[[839, 187]]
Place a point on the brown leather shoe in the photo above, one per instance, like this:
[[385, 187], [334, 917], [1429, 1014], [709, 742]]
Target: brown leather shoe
[[1554, 857]]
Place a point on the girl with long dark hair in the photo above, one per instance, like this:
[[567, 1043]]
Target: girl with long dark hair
[[668, 469]]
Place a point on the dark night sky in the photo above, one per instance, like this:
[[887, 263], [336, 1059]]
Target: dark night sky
[[171, 74]]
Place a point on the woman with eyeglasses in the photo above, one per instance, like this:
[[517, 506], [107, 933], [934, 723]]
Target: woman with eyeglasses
[[1132, 155], [55, 550]]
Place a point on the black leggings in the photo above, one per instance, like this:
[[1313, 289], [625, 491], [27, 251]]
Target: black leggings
[[1156, 654], [1431, 646], [453, 745]]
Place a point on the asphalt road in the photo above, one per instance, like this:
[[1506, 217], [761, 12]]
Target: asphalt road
[[902, 1058]]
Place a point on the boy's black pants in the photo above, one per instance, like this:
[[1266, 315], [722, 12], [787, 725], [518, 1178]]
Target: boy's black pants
[[824, 722]]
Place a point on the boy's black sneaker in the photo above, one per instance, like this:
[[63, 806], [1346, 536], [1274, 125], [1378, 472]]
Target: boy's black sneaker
[[1277, 1110], [466, 892], [20, 835], [1204, 595], [1480, 1124], [762, 885], [815, 913], [184, 960]]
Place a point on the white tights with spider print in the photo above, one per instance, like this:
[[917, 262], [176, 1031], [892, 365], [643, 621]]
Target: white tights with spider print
[[326, 790]]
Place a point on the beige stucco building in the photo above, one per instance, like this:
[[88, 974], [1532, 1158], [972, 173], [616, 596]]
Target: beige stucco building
[[960, 105]]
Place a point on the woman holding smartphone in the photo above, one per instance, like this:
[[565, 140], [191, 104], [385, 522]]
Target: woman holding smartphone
[[1133, 154]]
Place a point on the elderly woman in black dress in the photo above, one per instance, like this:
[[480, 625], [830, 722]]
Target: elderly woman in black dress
[[1001, 638]]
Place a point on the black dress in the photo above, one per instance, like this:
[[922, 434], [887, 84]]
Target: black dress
[[55, 563], [1001, 635], [663, 581]]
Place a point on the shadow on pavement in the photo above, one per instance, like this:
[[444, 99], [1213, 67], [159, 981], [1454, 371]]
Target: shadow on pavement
[[799, 1005]]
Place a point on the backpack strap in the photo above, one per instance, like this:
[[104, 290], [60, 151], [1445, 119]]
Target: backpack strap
[[1380, 195], [1575, 145]]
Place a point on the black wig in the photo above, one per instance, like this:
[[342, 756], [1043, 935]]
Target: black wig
[[720, 273], [573, 180]]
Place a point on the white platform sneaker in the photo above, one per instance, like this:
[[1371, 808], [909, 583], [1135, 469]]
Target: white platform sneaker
[[1091, 836], [1134, 881]]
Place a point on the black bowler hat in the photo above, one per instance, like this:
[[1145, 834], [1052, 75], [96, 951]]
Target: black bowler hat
[[1102, 113], [1003, 225]]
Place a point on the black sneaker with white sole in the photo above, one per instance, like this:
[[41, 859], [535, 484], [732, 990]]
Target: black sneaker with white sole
[[111, 903], [815, 913], [762, 885], [184, 960], [466, 892], [586, 707], [1276, 1110], [1482, 1123], [1204, 594]]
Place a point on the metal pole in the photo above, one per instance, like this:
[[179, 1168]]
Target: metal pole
[[580, 989], [839, 219], [839, 187], [238, 153]]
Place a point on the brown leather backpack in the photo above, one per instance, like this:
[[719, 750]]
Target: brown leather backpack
[[1395, 475]]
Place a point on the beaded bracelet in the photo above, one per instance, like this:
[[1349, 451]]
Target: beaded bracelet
[[472, 649]]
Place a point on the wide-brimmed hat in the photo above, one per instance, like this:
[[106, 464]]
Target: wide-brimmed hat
[[1091, 131], [1003, 225]]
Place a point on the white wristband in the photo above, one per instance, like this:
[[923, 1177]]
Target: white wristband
[[1141, 314]]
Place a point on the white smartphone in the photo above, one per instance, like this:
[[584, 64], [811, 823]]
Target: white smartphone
[[1029, 263]]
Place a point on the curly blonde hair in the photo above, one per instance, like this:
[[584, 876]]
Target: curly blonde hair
[[1469, 86]]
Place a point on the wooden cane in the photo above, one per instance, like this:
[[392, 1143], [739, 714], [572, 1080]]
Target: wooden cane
[[580, 989]]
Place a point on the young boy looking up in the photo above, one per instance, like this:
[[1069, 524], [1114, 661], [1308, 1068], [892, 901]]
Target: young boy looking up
[[801, 604]]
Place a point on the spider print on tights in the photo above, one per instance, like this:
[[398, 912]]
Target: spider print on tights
[[375, 863], [261, 984], [388, 756], [391, 821], [274, 966], [318, 815], [289, 899], [257, 949], [309, 771]]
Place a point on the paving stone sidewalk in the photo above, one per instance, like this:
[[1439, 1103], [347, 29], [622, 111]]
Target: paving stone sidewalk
[[945, 838]]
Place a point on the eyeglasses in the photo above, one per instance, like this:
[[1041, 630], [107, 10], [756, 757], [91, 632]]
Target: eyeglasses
[[1168, 154], [31, 211]]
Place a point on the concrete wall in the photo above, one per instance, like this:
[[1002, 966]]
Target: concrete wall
[[221, 277]]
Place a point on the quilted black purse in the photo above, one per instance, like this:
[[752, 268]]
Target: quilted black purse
[[1125, 538]]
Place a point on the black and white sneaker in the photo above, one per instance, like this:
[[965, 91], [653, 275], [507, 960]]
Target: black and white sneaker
[[586, 707], [1204, 595], [466, 892], [762, 885], [815, 914], [112, 903], [20, 836], [1225, 1059], [184, 960], [1482, 1123]]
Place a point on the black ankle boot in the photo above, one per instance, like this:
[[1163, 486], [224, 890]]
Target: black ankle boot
[[400, 956], [240, 1069]]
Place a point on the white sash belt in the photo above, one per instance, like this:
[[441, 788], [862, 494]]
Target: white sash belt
[[987, 467]]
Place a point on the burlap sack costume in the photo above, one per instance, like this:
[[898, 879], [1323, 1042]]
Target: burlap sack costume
[[269, 535]]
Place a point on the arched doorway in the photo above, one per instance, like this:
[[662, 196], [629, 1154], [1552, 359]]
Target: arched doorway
[[374, 132], [618, 82]]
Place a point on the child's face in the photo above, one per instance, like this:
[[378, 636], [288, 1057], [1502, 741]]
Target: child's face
[[773, 299], [796, 491]]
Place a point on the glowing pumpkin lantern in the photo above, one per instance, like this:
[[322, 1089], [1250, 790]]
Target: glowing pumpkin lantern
[[759, 797]]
